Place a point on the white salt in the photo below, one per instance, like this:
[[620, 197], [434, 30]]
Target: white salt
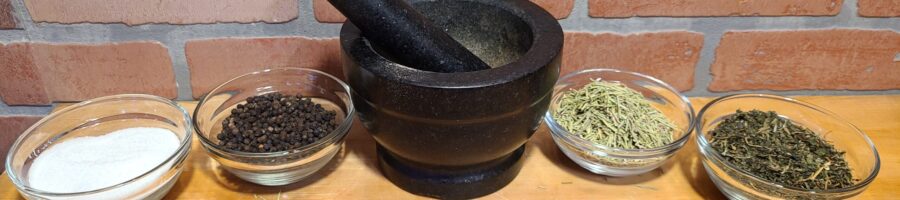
[[89, 163]]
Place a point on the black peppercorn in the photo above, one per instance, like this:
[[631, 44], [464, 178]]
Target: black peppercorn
[[275, 122]]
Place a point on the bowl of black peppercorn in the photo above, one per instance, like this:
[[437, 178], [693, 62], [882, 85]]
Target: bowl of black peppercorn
[[276, 126]]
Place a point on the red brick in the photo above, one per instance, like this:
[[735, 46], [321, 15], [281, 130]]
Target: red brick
[[879, 8], [76, 72], [7, 21], [836, 59], [133, 12], [695, 8], [326, 13], [215, 61], [10, 129], [669, 56], [558, 8], [20, 80]]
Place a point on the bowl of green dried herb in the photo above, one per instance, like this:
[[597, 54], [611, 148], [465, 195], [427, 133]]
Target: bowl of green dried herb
[[758, 146], [618, 123]]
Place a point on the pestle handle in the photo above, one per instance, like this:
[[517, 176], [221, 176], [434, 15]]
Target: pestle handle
[[405, 33]]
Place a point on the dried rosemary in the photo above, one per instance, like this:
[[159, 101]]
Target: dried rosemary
[[613, 115], [775, 149]]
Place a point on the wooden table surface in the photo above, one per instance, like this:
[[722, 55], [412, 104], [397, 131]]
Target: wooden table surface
[[547, 173]]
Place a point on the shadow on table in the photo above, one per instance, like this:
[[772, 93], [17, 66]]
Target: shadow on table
[[692, 168], [183, 179], [687, 160], [361, 144], [543, 141], [234, 183]]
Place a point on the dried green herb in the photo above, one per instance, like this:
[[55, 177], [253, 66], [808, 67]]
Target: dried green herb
[[613, 115], [775, 149]]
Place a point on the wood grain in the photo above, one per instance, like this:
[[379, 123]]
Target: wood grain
[[547, 173]]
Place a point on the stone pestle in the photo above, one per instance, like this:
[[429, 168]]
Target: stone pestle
[[407, 35]]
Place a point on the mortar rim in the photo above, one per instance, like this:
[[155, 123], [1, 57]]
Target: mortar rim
[[546, 46]]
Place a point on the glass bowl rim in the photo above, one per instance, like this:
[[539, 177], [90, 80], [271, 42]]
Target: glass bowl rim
[[708, 152], [335, 134], [623, 152], [180, 154]]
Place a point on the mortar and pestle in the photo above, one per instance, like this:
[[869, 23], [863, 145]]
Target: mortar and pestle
[[451, 90]]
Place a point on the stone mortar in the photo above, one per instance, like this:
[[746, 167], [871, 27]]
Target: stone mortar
[[458, 135]]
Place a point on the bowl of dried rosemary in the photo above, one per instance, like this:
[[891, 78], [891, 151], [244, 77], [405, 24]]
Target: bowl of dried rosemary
[[758, 146], [618, 123]]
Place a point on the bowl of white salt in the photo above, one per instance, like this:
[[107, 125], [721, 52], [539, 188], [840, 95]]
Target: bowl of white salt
[[128, 146]]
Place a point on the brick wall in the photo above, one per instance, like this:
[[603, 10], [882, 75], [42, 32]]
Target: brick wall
[[66, 51]]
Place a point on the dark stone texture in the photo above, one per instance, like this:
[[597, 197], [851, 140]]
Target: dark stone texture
[[458, 125], [407, 34], [7, 19], [451, 184]]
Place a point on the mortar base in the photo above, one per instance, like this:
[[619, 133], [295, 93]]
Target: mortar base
[[458, 183]]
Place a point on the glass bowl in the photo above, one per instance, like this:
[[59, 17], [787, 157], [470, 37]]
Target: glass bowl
[[283, 167], [98, 117], [611, 161], [736, 183]]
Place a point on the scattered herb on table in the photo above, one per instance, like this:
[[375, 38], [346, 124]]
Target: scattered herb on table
[[775, 149], [275, 122]]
